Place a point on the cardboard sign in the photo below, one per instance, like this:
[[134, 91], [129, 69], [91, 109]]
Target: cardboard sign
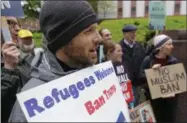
[[166, 80], [157, 15], [125, 82], [89, 95], [12, 8], [142, 113]]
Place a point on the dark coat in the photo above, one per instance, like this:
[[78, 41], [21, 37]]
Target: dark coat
[[181, 108], [11, 83], [133, 62], [164, 108]]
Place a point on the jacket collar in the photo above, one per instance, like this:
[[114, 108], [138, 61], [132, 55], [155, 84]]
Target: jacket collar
[[53, 64], [128, 44], [170, 59]]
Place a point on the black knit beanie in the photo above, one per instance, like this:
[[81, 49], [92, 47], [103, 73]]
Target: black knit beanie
[[61, 21]]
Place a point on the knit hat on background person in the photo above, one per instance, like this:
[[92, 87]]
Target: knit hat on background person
[[23, 33], [160, 40], [61, 21]]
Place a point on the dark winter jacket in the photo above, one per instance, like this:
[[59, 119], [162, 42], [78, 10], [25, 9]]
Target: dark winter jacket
[[164, 108], [133, 62], [11, 83], [181, 108], [45, 68]]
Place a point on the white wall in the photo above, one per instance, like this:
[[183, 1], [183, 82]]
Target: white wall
[[183, 8], [170, 7], [126, 9], [140, 8]]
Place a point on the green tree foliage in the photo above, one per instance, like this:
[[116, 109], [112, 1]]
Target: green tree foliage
[[31, 8], [93, 3]]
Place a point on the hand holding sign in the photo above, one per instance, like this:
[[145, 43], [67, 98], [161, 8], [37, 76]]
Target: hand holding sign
[[10, 55], [156, 66], [168, 96]]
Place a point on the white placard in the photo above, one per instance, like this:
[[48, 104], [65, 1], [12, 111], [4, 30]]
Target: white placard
[[89, 95]]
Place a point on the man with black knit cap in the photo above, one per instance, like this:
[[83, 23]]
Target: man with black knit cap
[[70, 29]]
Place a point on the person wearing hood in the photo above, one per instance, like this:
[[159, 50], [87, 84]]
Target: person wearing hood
[[161, 56], [72, 39]]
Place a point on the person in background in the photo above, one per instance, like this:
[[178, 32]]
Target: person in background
[[16, 69], [113, 52], [25, 43], [106, 36], [133, 55], [72, 39], [161, 56], [13, 27]]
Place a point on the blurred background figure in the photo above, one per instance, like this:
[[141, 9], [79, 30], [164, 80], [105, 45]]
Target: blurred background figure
[[13, 27], [106, 36], [25, 43], [133, 55], [112, 51], [15, 71]]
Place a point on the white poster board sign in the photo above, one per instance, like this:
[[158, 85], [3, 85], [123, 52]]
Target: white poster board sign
[[89, 95]]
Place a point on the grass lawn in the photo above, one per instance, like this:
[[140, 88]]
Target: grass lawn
[[115, 26]]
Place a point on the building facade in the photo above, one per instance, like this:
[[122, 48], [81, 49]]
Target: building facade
[[135, 8]]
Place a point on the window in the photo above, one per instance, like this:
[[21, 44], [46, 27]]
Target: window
[[133, 9], [177, 8]]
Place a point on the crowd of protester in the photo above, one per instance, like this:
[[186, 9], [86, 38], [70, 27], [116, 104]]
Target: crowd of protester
[[72, 42]]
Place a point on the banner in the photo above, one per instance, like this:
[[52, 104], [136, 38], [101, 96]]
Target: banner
[[124, 81], [11, 8], [89, 95], [157, 15], [166, 80], [143, 113]]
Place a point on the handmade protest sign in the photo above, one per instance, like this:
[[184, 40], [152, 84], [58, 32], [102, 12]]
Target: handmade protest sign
[[157, 15], [11, 8], [166, 80], [142, 113], [89, 95], [124, 81]]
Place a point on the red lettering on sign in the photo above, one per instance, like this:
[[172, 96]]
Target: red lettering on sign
[[92, 107]]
